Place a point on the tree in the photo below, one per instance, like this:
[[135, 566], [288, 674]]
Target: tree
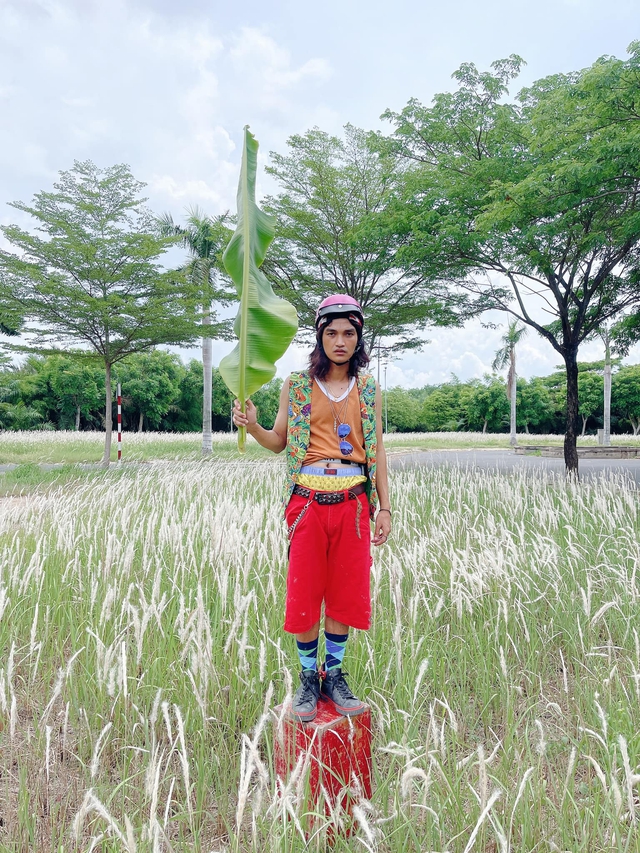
[[486, 406], [185, 415], [77, 385], [267, 402], [626, 395], [205, 238], [403, 410], [531, 206], [333, 236], [442, 410], [535, 405], [150, 384], [507, 355], [590, 395], [15, 414], [95, 278], [222, 402]]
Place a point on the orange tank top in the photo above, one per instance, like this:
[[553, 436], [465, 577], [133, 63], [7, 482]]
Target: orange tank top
[[323, 440]]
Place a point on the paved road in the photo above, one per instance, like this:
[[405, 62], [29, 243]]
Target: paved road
[[506, 460]]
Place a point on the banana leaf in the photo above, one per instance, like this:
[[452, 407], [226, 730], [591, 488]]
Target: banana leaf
[[266, 324]]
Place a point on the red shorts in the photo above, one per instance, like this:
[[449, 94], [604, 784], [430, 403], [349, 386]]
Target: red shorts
[[328, 562]]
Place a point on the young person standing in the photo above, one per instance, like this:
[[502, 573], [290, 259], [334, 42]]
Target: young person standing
[[330, 423]]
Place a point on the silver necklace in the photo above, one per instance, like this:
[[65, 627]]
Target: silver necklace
[[333, 396], [338, 415]]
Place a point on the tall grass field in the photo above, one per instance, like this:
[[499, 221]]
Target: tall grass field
[[42, 446], [142, 656]]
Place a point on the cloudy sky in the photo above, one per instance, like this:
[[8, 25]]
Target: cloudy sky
[[167, 87]]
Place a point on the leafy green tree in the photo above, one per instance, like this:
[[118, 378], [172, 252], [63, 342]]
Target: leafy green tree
[[486, 405], [506, 355], [15, 414], [205, 239], [150, 384], [590, 395], [557, 384], [443, 409], [625, 396], [535, 406], [333, 236], [10, 325], [532, 204], [185, 415], [609, 344], [222, 403], [403, 410], [94, 276], [267, 401], [77, 387]]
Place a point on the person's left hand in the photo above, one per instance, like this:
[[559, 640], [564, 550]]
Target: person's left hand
[[382, 529]]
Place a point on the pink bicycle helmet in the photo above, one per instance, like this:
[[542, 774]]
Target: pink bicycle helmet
[[340, 304]]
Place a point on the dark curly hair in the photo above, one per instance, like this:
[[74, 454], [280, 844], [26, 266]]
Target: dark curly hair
[[319, 364]]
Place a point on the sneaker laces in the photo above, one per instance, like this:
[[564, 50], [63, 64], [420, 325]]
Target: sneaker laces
[[310, 687], [339, 684]]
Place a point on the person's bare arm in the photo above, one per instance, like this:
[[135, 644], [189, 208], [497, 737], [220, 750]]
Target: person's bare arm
[[273, 439], [383, 519]]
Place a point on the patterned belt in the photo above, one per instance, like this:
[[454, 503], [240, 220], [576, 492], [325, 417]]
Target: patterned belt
[[330, 497]]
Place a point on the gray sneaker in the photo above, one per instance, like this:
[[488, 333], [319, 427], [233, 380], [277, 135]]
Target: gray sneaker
[[304, 703], [335, 687]]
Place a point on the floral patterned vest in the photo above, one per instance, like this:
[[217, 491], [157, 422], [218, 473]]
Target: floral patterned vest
[[299, 430]]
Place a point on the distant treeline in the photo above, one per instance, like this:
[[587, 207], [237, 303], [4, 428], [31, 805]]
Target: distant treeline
[[482, 404], [160, 393]]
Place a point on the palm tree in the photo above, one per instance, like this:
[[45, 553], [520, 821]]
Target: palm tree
[[204, 237], [507, 355]]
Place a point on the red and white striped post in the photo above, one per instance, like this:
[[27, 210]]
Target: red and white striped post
[[119, 397]]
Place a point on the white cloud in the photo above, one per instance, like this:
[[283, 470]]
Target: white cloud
[[118, 83], [257, 53], [167, 87]]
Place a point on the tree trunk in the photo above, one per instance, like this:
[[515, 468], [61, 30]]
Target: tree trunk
[[77, 418], [570, 436], [584, 425], [513, 438], [207, 364], [484, 426], [635, 425], [141, 422], [526, 428], [108, 416], [607, 393]]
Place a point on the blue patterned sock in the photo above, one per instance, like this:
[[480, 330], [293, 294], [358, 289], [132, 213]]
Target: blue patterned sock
[[308, 654], [335, 648]]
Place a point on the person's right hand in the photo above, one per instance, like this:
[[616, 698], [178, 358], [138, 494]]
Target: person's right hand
[[246, 419]]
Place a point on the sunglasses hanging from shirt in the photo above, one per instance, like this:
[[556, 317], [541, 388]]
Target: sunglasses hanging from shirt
[[340, 427], [345, 446]]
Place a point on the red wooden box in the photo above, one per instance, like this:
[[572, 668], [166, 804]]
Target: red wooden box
[[338, 752]]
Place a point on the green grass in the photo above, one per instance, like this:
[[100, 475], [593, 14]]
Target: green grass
[[29, 478], [88, 447], [141, 645]]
